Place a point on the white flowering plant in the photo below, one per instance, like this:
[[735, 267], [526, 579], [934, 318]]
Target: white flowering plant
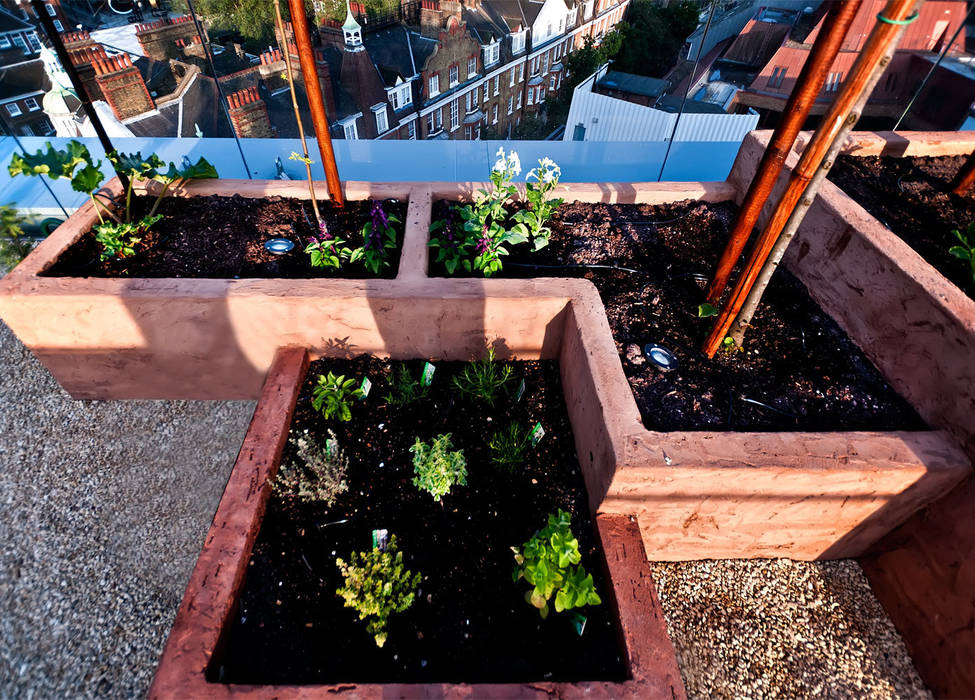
[[484, 230], [540, 182]]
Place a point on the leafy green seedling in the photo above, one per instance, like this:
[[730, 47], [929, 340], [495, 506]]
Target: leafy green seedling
[[965, 251], [706, 310], [377, 584], [437, 468], [549, 561], [333, 396]]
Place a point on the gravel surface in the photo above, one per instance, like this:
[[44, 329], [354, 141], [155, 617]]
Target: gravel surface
[[782, 629], [103, 509]]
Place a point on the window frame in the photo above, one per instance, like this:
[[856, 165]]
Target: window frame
[[453, 76], [13, 109], [433, 85]]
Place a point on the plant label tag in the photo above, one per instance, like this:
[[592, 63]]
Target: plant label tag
[[579, 622], [520, 391], [538, 432], [366, 388], [427, 377], [380, 538]]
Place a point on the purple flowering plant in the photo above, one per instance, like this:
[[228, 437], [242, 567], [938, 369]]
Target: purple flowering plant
[[451, 241], [379, 236], [325, 250]]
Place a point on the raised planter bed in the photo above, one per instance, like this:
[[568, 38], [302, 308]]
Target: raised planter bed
[[919, 329], [194, 653], [132, 337], [801, 493]]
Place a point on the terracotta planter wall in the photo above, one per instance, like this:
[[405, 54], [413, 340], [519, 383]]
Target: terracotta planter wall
[[919, 329], [211, 596]]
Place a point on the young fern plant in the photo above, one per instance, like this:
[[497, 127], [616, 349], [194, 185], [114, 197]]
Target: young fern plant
[[509, 445], [377, 584], [437, 468], [549, 561], [484, 379], [333, 396], [404, 389]]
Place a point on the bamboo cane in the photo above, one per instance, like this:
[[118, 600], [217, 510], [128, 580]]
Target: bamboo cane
[[965, 178], [873, 58], [316, 103], [294, 103], [797, 108]]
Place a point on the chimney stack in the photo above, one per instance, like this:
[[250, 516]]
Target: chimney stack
[[431, 18], [122, 85], [248, 113], [158, 39], [83, 59]]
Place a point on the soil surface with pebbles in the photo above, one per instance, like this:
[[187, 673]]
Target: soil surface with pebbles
[[781, 628], [103, 509]]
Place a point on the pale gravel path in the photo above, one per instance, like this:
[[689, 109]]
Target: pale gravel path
[[103, 509], [782, 629]]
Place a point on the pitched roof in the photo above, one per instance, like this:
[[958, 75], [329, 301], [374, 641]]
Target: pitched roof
[[23, 78], [11, 23], [634, 84], [757, 43]]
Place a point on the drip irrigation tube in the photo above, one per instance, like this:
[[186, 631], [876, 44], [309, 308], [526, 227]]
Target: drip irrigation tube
[[569, 267]]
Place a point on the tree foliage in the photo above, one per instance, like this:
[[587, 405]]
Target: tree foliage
[[654, 36]]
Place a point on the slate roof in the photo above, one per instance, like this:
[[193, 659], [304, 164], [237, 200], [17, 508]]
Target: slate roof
[[11, 23], [633, 84], [391, 51], [23, 78]]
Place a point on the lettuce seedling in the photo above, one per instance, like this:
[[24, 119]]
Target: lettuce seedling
[[549, 561]]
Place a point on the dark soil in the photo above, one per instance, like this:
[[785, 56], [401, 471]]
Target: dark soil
[[223, 237], [470, 622], [798, 370], [909, 196]]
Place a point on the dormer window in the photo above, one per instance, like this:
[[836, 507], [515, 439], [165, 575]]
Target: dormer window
[[400, 96], [518, 42], [587, 9], [492, 53], [349, 128], [571, 17], [382, 121]]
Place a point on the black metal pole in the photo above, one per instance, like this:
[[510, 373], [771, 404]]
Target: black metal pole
[[62, 53], [216, 81], [690, 84], [923, 83]]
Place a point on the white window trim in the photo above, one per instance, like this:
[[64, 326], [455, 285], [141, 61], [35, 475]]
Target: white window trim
[[58, 25], [471, 73], [511, 103], [349, 127], [400, 96], [455, 114], [31, 101], [492, 53], [5, 42], [51, 12], [434, 85], [453, 76], [382, 119], [494, 114], [518, 42], [13, 109]]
